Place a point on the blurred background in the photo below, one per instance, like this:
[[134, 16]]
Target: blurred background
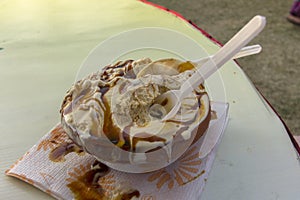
[[276, 71]]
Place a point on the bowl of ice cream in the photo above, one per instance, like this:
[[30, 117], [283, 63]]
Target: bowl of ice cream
[[108, 114]]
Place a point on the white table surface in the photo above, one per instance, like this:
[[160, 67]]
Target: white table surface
[[44, 43]]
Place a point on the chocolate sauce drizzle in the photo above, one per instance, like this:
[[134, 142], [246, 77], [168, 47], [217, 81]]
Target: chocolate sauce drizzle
[[120, 69]]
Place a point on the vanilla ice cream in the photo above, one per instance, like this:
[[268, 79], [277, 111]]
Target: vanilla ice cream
[[111, 115]]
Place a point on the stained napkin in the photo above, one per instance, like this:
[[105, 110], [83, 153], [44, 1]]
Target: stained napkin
[[60, 168]]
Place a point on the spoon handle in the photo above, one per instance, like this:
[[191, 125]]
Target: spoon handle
[[245, 51], [233, 46], [248, 50]]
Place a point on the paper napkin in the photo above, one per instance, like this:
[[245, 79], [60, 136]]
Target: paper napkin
[[58, 167]]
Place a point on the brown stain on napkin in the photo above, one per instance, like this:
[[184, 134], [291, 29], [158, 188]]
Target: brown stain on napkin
[[87, 186], [59, 144], [58, 153]]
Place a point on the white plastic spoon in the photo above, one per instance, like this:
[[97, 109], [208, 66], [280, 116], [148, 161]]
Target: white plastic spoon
[[245, 51], [234, 45], [157, 67]]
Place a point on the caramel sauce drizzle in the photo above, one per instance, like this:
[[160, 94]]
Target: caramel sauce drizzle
[[113, 132], [185, 66]]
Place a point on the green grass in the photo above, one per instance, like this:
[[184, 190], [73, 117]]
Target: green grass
[[275, 71]]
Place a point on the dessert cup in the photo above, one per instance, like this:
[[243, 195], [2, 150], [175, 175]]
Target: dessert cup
[[108, 115]]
